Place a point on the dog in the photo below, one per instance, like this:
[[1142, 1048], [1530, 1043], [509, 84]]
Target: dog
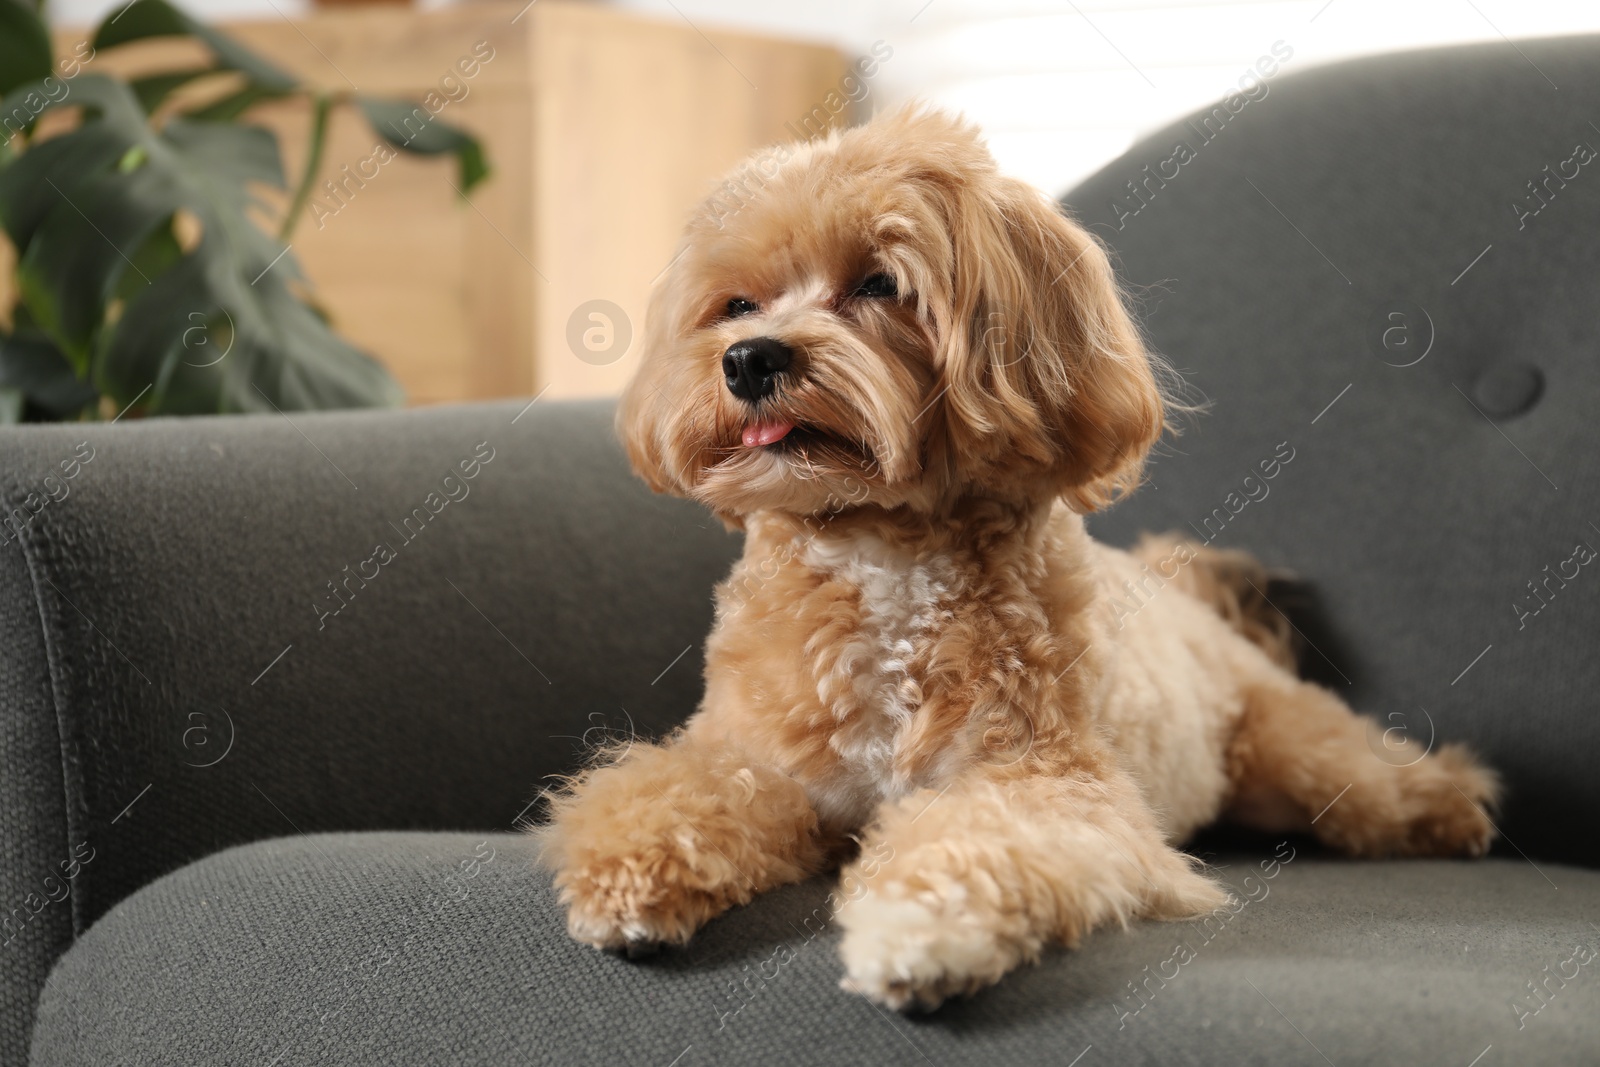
[[907, 377]]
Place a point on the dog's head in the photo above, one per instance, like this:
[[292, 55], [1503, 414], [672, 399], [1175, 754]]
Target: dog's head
[[883, 318]]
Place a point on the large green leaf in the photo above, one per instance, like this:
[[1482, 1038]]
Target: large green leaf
[[34, 368], [233, 293], [226, 157], [218, 328], [76, 259], [408, 127], [411, 128], [25, 54], [228, 354], [35, 183], [109, 300], [157, 18], [97, 94], [75, 218]]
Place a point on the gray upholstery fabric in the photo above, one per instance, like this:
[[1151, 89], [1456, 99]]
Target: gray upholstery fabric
[[36, 925], [1419, 520], [541, 609], [383, 948]]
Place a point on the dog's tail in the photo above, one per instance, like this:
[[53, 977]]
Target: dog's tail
[[1236, 585]]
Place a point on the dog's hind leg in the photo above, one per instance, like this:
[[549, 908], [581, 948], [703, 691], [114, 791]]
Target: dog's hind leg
[[1301, 760]]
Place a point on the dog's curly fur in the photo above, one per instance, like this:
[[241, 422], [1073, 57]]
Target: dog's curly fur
[[918, 650]]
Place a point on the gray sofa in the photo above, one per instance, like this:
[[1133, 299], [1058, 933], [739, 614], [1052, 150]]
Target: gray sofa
[[261, 778]]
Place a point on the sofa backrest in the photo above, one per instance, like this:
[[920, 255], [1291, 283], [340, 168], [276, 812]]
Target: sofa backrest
[[1388, 269]]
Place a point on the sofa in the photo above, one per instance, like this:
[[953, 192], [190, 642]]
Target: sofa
[[281, 692]]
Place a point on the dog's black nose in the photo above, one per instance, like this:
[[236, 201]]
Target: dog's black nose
[[752, 366]]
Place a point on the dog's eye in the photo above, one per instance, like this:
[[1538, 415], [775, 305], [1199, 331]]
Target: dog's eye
[[877, 285], [738, 307]]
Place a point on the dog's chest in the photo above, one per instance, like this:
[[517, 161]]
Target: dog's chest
[[871, 676]]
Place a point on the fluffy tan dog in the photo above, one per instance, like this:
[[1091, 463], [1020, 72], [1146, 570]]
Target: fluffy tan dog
[[906, 377]]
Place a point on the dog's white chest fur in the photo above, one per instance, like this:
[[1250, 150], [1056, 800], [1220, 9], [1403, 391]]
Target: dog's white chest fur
[[872, 686]]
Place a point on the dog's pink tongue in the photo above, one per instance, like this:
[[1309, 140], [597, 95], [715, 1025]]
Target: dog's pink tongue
[[765, 433]]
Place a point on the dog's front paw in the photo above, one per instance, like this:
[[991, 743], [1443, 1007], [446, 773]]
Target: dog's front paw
[[648, 849], [914, 951], [634, 902]]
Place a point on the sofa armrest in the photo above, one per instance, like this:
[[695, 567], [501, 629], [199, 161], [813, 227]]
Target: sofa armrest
[[225, 629]]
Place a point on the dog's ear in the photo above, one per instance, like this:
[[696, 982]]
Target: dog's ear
[[1042, 361], [646, 421]]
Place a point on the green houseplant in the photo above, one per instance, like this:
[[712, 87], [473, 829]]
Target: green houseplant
[[144, 279]]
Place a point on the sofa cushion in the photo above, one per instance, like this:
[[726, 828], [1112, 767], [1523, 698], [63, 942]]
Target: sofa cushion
[[447, 948]]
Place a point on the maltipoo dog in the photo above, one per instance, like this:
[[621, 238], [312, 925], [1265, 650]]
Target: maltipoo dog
[[907, 378]]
